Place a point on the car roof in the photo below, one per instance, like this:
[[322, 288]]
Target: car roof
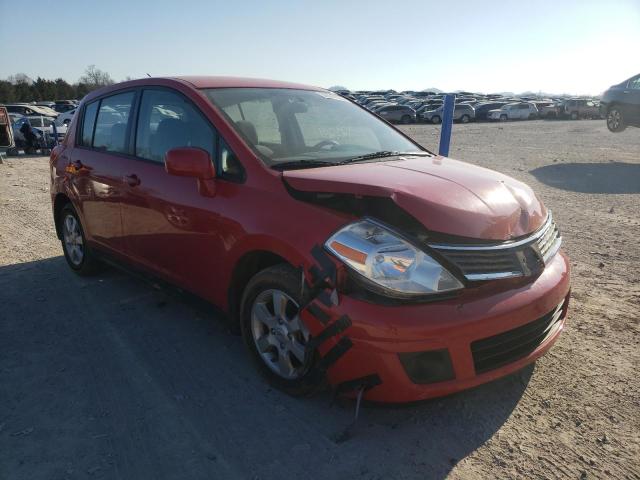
[[227, 82], [200, 82]]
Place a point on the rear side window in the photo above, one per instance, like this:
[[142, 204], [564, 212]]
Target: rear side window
[[88, 123], [167, 120], [111, 124]]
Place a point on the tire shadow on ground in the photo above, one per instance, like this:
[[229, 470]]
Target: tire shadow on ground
[[122, 367], [614, 177]]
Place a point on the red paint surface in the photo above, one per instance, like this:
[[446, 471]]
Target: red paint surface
[[165, 225]]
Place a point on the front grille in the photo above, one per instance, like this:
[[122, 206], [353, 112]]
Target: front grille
[[524, 257], [494, 352]]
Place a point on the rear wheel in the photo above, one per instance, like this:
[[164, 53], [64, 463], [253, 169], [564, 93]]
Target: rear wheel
[[465, 118], [274, 333], [74, 245], [436, 119], [503, 118], [615, 120]]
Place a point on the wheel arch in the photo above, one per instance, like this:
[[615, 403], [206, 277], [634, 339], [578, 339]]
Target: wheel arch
[[59, 203], [244, 269]]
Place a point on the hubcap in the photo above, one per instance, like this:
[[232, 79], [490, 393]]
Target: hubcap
[[73, 243], [279, 334], [614, 119]]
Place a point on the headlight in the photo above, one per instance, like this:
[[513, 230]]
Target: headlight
[[391, 263]]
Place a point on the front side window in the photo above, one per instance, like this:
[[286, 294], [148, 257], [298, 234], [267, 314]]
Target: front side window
[[111, 124], [289, 125], [167, 120], [634, 83]]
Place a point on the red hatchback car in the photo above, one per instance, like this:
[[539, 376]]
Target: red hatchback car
[[345, 251]]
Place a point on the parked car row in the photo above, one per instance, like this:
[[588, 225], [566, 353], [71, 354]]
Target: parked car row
[[411, 106]]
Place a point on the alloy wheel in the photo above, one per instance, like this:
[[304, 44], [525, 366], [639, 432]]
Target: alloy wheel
[[73, 242], [614, 119], [279, 334]]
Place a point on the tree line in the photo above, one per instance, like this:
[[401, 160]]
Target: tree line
[[21, 88]]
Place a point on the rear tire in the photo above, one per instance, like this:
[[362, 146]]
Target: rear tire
[[275, 335], [77, 253], [615, 120], [503, 118], [465, 118]]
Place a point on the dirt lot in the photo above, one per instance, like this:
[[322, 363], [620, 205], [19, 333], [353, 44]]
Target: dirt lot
[[109, 378]]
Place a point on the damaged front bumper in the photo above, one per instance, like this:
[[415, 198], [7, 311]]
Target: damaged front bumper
[[412, 352]]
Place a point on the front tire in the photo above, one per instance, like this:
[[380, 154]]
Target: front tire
[[406, 119], [436, 119], [465, 118], [77, 253], [615, 120], [274, 333], [503, 118]]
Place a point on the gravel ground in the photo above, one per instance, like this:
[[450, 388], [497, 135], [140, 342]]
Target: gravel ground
[[109, 378]]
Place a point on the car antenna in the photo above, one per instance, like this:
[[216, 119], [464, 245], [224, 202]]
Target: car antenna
[[148, 75]]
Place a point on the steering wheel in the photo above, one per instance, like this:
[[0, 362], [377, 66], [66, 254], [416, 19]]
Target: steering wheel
[[325, 143]]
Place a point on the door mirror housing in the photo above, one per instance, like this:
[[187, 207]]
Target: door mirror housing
[[192, 162], [189, 162]]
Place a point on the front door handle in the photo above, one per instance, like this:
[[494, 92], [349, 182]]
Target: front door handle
[[132, 180]]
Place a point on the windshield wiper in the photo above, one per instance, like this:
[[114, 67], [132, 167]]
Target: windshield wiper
[[380, 154], [298, 164]]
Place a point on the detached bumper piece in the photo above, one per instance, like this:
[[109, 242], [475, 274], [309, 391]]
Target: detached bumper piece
[[428, 367], [494, 352]]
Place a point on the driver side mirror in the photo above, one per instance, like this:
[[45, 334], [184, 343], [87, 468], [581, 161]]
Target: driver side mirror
[[192, 162]]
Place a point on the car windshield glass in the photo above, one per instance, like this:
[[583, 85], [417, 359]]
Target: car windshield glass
[[290, 125]]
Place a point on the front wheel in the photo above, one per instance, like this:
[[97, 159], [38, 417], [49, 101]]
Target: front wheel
[[615, 120], [406, 119], [74, 244], [503, 118], [274, 333], [436, 119], [465, 118]]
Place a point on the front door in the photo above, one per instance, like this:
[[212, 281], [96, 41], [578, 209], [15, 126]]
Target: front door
[[170, 228]]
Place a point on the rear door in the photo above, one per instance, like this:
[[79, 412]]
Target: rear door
[[98, 163]]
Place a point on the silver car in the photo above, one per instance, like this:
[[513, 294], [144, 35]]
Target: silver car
[[514, 111], [462, 112], [397, 114]]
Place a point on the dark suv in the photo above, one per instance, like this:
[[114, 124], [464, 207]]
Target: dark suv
[[621, 105]]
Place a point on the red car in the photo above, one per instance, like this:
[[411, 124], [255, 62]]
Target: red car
[[344, 251]]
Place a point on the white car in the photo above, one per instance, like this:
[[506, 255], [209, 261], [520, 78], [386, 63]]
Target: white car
[[514, 111], [42, 124], [66, 117]]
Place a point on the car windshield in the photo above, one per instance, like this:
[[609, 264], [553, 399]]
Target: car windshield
[[291, 127]]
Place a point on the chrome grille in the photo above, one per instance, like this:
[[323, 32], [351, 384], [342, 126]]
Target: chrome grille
[[524, 257]]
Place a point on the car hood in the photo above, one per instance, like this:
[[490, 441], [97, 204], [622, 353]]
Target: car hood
[[445, 195]]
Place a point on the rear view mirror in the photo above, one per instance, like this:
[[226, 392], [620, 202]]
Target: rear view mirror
[[189, 162], [192, 162]]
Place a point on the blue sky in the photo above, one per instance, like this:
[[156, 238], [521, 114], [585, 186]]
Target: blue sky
[[554, 46]]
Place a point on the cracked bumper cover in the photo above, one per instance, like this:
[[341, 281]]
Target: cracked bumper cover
[[380, 333]]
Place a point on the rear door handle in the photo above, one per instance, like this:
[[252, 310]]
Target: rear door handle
[[132, 180]]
